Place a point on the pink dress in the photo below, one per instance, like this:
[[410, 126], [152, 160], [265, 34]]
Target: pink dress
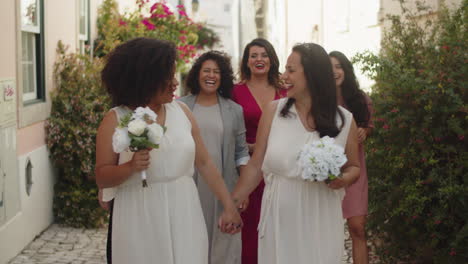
[[355, 201], [252, 113]]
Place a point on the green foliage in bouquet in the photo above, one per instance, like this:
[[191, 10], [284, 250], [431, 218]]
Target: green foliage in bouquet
[[78, 105], [417, 157], [155, 20]]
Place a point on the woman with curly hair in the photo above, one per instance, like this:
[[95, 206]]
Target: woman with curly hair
[[163, 222], [221, 123], [357, 102]]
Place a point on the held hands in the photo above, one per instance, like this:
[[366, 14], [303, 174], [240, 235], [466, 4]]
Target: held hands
[[140, 160], [230, 221]]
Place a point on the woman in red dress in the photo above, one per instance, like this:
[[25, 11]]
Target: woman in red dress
[[259, 85]]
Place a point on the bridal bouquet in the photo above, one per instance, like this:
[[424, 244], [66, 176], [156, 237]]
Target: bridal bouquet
[[136, 131], [321, 160]]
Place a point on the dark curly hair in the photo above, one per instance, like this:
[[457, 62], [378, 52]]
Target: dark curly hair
[[354, 97], [227, 76], [321, 84], [137, 69], [273, 73]]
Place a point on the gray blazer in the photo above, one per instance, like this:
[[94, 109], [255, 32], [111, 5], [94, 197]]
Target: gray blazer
[[234, 146]]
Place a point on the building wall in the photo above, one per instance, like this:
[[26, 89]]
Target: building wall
[[334, 24], [275, 23], [26, 196], [233, 21]]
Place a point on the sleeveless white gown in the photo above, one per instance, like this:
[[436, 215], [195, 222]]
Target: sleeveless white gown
[[163, 223], [301, 222]]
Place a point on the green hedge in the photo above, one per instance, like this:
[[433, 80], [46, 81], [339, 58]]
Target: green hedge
[[78, 105], [417, 157]]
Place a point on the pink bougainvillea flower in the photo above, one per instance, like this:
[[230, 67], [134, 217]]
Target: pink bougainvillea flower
[[122, 23], [386, 127], [394, 110], [183, 39], [461, 137], [148, 24], [158, 15], [154, 7]]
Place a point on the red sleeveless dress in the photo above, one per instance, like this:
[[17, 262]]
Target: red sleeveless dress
[[252, 113]]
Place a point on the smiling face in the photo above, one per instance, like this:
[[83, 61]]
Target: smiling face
[[338, 72], [209, 77], [294, 78], [259, 62]]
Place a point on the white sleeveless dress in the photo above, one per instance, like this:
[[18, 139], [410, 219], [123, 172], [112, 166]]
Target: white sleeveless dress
[[162, 223], [301, 222]]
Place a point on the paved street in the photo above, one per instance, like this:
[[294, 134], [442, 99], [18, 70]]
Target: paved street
[[64, 245]]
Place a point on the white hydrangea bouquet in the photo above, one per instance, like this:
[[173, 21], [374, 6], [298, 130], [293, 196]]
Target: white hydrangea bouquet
[[136, 131], [321, 160]]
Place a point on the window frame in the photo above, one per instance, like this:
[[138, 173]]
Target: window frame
[[38, 58], [84, 39]]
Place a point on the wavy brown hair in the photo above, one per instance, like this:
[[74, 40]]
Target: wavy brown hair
[[321, 85], [354, 97], [273, 73]]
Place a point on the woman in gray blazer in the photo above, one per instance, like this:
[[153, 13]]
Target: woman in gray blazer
[[222, 127]]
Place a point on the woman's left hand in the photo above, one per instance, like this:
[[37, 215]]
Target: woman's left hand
[[337, 183], [230, 221], [362, 134]]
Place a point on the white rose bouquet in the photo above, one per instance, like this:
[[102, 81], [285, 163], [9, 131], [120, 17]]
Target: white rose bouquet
[[137, 131], [321, 160]]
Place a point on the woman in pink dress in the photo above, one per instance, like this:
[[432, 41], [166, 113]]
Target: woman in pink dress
[[259, 85], [357, 102]]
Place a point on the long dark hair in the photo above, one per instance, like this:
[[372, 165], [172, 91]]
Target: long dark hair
[[273, 73], [321, 84], [227, 76], [354, 97]]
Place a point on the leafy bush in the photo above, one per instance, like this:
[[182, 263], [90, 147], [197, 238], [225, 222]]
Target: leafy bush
[[78, 105], [154, 20], [417, 157]]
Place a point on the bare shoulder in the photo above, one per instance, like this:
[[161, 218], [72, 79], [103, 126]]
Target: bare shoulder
[[110, 119], [183, 106], [186, 110]]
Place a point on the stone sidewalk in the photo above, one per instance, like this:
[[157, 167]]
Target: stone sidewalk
[[65, 245]]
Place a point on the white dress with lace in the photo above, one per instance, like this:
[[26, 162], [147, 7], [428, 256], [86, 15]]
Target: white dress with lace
[[301, 222]]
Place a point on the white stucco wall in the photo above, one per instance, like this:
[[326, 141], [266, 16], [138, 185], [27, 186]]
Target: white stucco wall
[[36, 209]]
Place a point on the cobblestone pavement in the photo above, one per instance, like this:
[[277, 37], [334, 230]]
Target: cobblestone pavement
[[65, 245]]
